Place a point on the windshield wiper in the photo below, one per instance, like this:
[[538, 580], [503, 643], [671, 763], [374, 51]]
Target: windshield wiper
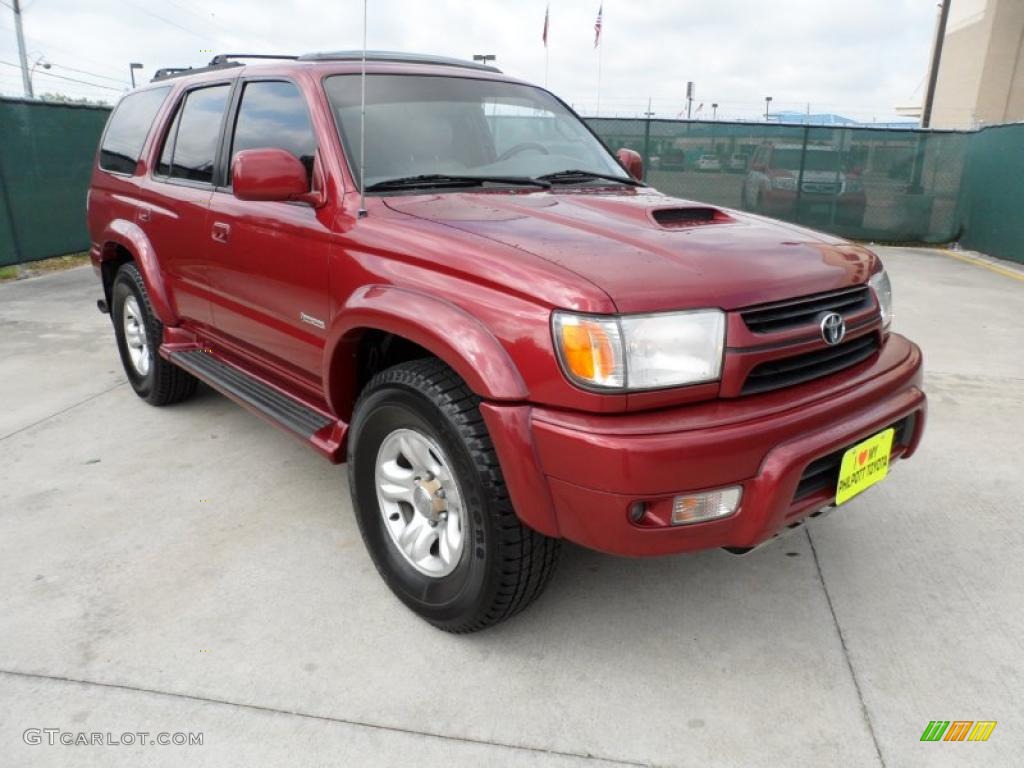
[[572, 175], [427, 180]]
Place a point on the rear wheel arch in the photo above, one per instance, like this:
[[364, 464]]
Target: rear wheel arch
[[113, 256], [126, 241]]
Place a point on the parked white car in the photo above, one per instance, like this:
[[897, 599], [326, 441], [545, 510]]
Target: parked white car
[[709, 163], [738, 162]]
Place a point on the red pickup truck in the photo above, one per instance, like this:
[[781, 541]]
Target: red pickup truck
[[508, 337]]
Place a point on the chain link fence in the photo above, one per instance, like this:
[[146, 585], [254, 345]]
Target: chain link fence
[[900, 186], [862, 183]]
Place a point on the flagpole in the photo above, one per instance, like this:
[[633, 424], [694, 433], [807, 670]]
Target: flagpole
[[598, 31]]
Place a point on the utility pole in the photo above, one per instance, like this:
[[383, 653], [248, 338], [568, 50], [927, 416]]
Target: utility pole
[[933, 73], [767, 106], [689, 99], [25, 79]]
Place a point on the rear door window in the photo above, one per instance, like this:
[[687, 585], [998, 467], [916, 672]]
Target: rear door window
[[273, 115], [190, 148], [127, 130]]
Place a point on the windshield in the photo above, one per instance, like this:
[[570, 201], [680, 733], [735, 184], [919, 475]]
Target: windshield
[[418, 125]]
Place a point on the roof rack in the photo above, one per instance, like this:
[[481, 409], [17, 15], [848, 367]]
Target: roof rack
[[169, 72], [220, 61], [397, 56], [224, 60]]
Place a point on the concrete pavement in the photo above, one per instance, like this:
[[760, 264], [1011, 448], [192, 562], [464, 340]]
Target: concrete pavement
[[192, 569]]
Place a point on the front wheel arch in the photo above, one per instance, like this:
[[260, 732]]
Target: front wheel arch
[[439, 328]]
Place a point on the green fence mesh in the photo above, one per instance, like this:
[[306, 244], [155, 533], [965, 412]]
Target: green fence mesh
[[46, 154], [992, 194], [863, 183]]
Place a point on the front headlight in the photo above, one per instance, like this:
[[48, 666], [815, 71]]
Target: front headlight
[[880, 284], [633, 352]]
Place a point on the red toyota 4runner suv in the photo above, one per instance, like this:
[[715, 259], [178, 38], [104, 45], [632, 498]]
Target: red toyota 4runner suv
[[513, 341]]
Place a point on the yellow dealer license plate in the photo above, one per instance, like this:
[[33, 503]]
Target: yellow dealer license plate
[[864, 465]]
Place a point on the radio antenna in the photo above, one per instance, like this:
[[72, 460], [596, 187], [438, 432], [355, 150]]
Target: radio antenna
[[362, 127]]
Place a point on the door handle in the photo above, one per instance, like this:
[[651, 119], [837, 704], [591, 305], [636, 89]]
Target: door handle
[[221, 232]]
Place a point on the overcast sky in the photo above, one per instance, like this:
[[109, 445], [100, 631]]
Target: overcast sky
[[860, 58]]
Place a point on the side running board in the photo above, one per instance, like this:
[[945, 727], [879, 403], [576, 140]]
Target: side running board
[[267, 401]]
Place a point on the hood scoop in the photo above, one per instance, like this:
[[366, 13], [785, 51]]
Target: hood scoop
[[690, 216]]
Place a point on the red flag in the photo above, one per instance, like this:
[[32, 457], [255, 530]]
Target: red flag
[[597, 26], [544, 37]]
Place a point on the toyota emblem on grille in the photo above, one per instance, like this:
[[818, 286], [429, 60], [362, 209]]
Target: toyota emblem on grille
[[833, 328]]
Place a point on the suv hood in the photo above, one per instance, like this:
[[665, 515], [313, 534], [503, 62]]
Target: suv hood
[[697, 256]]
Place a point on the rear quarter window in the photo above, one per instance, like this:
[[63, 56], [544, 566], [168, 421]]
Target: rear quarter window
[[127, 130]]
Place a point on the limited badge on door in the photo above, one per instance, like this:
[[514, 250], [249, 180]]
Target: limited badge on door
[[864, 464]]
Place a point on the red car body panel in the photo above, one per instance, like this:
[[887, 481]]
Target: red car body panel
[[473, 278]]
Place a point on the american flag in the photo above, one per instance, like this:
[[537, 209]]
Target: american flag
[[544, 37], [597, 26]]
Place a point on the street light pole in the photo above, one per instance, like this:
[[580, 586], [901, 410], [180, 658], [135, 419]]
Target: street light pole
[[131, 69], [714, 111], [767, 106], [40, 61], [26, 79]]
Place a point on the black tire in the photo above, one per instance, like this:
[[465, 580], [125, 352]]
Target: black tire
[[504, 566], [164, 383]]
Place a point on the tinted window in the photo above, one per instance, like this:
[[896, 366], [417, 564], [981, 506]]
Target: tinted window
[[274, 115], [127, 130], [163, 167], [193, 137]]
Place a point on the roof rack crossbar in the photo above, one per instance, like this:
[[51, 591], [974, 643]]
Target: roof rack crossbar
[[168, 72], [224, 58]]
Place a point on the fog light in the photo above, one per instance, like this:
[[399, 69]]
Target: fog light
[[637, 510], [710, 505]]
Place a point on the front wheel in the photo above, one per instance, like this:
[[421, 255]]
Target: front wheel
[[431, 502]]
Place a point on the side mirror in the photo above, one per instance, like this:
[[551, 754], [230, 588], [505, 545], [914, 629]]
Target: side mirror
[[632, 162], [269, 174]]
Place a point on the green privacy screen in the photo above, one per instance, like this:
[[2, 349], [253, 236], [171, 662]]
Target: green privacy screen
[[46, 155], [992, 195], [896, 186], [863, 183]]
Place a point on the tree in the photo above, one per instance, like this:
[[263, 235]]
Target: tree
[[65, 99]]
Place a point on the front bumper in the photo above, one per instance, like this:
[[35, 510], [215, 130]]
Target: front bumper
[[576, 475]]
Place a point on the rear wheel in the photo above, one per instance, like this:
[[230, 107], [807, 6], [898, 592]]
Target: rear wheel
[[139, 333], [432, 505]]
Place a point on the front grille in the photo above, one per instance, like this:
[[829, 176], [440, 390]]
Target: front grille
[[824, 473], [780, 315], [789, 371], [821, 188]]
